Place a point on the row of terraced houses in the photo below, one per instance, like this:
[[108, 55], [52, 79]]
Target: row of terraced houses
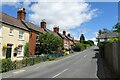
[[16, 32]]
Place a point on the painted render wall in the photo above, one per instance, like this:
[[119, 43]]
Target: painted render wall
[[13, 39]]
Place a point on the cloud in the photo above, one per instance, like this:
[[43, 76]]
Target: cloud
[[94, 38], [66, 15]]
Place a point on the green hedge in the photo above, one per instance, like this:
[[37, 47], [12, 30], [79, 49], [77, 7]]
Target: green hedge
[[79, 47], [8, 65]]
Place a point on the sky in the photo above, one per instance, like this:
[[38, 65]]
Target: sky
[[75, 17]]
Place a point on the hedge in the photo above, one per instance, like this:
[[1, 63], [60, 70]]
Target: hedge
[[8, 65]]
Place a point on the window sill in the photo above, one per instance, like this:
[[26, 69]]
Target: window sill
[[1, 36], [21, 39], [20, 56], [11, 34]]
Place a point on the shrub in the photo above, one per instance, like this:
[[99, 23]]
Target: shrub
[[114, 40], [48, 43], [26, 49], [71, 51], [7, 65], [78, 47], [50, 58]]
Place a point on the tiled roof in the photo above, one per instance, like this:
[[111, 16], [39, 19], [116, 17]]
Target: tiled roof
[[33, 26], [62, 36], [70, 38], [19, 23], [4, 18], [109, 35]]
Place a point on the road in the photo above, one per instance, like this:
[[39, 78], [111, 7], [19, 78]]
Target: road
[[77, 65]]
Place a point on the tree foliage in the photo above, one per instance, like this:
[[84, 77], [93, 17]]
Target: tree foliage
[[48, 43], [90, 42], [82, 38], [78, 46], [116, 27], [26, 53]]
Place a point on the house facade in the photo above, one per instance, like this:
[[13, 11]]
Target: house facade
[[66, 40], [16, 32], [14, 36]]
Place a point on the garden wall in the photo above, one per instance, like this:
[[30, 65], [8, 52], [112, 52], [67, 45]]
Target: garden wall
[[112, 55]]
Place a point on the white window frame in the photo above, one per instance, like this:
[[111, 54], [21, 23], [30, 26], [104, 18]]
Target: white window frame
[[0, 30], [19, 52], [11, 31], [21, 35]]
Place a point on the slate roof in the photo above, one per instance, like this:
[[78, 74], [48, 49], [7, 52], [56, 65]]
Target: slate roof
[[4, 18], [33, 26], [22, 24], [109, 35], [62, 36]]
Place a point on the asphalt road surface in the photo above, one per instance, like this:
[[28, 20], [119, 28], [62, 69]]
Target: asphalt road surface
[[77, 65]]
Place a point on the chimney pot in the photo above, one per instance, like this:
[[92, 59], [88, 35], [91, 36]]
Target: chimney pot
[[21, 14], [43, 24], [64, 32], [56, 29], [69, 35]]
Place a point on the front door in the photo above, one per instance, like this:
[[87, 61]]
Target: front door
[[9, 51]]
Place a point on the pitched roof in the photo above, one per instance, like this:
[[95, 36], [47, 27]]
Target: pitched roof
[[70, 38], [32, 26], [109, 35], [62, 36], [4, 18]]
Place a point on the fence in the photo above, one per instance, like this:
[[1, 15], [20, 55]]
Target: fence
[[111, 53]]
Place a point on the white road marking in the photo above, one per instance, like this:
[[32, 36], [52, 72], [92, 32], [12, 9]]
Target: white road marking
[[85, 56], [59, 73], [36, 68], [19, 71]]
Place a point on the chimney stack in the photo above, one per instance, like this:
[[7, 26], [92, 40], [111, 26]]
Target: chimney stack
[[43, 24], [56, 29], [21, 14], [64, 32], [69, 35]]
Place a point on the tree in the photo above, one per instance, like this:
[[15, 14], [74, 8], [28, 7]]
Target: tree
[[78, 47], [48, 43], [82, 38], [116, 27], [90, 42], [26, 53]]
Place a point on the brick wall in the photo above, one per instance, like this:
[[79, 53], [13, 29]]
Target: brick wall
[[32, 43]]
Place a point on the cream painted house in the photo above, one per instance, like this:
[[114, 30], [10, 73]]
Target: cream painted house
[[13, 37]]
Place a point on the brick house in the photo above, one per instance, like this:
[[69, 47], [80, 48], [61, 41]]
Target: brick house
[[34, 31], [27, 31], [67, 41]]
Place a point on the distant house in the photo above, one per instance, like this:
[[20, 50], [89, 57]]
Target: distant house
[[107, 36], [67, 41], [76, 41]]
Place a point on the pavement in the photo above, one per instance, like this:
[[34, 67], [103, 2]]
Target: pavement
[[82, 64]]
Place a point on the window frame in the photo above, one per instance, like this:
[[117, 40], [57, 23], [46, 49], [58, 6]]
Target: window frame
[[0, 30], [19, 51], [11, 31], [21, 36]]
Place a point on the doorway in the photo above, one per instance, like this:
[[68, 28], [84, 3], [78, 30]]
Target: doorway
[[9, 51]]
